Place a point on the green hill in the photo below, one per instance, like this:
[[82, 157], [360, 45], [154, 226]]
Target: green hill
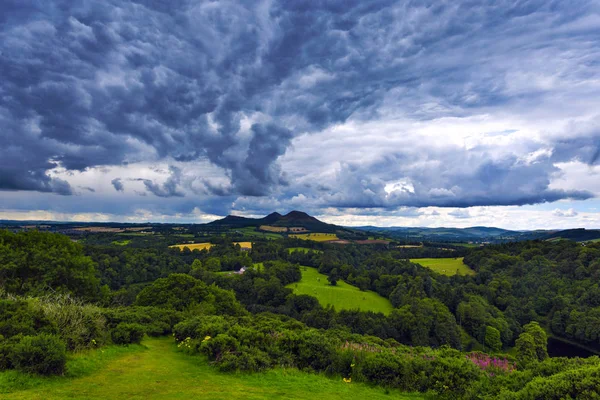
[[341, 296]]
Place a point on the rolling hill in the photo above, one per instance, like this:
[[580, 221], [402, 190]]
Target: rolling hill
[[292, 219]]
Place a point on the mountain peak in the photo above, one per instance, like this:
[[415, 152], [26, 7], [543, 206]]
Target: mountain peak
[[297, 215]]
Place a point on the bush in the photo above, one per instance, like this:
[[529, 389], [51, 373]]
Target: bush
[[43, 354], [80, 325], [246, 359], [126, 333], [216, 348]]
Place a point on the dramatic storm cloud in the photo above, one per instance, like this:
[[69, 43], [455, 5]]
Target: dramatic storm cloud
[[196, 108]]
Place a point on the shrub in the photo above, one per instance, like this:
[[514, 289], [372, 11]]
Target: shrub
[[382, 368], [217, 347], [43, 354], [246, 359], [80, 325], [126, 333]]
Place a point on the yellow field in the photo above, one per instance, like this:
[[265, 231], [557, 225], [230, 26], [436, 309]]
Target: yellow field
[[269, 228], [202, 246], [317, 237]]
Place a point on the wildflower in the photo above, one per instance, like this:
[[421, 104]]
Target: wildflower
[[352, 365], [347, 380], [206, 338]]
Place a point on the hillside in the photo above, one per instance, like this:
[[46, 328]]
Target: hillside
[[292, 219], [443, 234], [577, 235]]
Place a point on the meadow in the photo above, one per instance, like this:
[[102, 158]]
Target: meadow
[[317, 237], [341, 296], [302, 249], [121, 242], [269, 228], [250, 231], [203, 246], [445, 266], [157, 370]]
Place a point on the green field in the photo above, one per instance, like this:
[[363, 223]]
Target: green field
[[121, 242], [303, 249], [341, 296], [445, 266], [251, 232], [207, 246], [158, 371], [317, 237]]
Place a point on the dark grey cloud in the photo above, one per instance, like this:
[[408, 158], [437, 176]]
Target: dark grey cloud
[[170, 188], [100, 84], [118, 184]]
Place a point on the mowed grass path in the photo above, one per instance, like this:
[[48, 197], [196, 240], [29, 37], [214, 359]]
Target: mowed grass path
[[160, 372], [341, 296], [445, 266]]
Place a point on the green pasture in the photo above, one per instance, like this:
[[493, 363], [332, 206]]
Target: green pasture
[[341, 296], [445, 266]]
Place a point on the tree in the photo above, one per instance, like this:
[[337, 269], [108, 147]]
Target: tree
[[525, 346], [492, 338], [333, 277], [540, 339]]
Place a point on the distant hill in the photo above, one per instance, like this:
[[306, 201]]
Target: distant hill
[[477, 234], [577, 235], [292, 219]]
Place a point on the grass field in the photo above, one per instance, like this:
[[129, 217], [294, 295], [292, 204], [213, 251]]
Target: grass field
[[121, 242], [445, 266], [341, 296], [269, 228], [303, 249], [158, 371], [317, 237], [202, 246], [249, 231]]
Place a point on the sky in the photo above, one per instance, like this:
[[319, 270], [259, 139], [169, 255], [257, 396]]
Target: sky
[[390, 113]]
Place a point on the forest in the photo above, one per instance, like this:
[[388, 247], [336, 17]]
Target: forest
[[462, 336]]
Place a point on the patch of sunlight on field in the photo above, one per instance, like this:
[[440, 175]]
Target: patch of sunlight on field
[[342, 296], [445, 266], [202, 246], [317, 237]]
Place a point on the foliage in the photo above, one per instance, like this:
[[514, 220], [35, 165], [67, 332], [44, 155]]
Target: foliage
[[127, 333], [35, 263], [42, 354]]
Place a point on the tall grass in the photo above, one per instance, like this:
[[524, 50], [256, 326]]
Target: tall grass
[[79, 324]]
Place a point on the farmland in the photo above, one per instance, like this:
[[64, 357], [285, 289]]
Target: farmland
[[273, 228], [445, 266], [317, 237], [203, 246], [302, 249], [341, 296]]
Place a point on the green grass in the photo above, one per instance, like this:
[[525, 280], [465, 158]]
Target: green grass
[[249, 231], [121, 242], [469, 245], [341, 296], [159, 371], [78, 365], [445, 266], [303, 249], [259, 266], [317, 237]]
